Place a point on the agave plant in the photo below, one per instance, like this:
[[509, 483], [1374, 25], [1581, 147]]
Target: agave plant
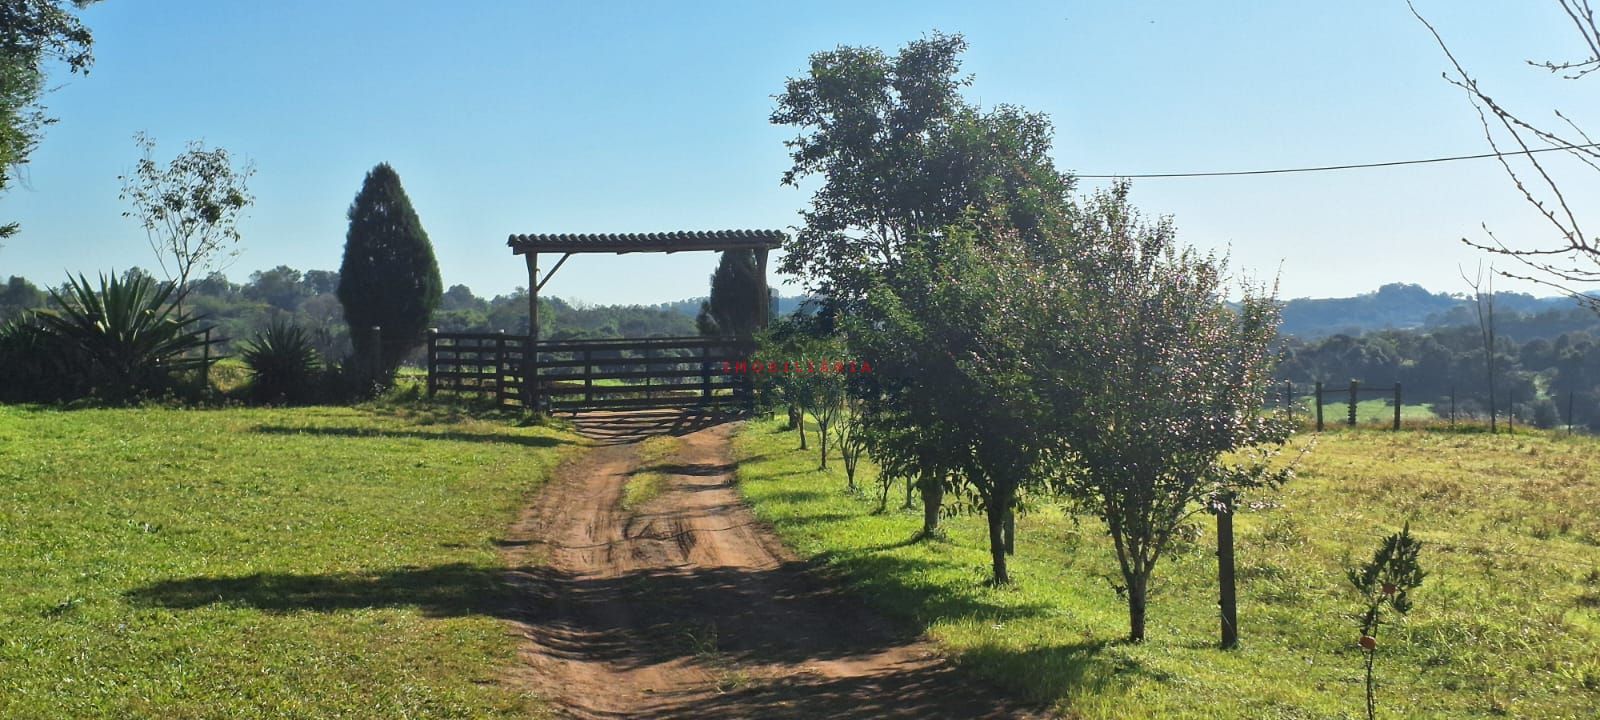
[[126, 337], [32, 363], [283, 362]]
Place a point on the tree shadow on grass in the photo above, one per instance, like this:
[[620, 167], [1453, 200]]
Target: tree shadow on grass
[[537, 441], [730, 617]]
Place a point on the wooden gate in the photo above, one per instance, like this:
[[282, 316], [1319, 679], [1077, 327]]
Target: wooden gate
[[571, 375]]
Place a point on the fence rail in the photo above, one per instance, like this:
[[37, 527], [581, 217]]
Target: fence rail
[[590, 374]]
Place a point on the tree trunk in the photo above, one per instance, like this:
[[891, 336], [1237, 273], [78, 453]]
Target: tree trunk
[[932, 499], [1011, 531], [997, 544], [1136, 607], [801, 426], [794, 418], [822, 442]]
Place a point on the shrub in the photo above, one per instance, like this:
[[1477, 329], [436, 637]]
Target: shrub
[[120, 341], [283, 363]]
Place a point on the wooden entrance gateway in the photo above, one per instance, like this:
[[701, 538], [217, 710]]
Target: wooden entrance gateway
[[522, 371]]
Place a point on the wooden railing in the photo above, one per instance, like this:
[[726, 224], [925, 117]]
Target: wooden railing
[[591, 374]]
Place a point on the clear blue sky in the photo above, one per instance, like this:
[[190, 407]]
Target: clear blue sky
[[507, 117]]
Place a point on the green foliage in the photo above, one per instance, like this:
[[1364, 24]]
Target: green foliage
[[190, 208], [33, 33], [735, 306], [121, 340], [1507, 628], [1153, 384], [904, 156], [1385, 581], [283, 363], [389, 277]]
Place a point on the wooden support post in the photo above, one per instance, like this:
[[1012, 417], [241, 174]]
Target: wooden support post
[[1397, 406], [588, 377], [530, 356], [1569, 413], [1319, 406], [767, 307], [1511, 412], [433, 365], [1228, 596], [1452, 406], [1355, 386]]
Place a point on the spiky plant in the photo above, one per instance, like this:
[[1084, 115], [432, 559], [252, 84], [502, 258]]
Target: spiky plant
[[283, 363], [125, 338]]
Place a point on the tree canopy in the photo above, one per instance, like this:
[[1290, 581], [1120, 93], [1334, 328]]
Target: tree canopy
[[389, 277]]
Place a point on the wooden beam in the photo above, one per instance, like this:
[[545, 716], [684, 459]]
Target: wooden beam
[[552, 272]]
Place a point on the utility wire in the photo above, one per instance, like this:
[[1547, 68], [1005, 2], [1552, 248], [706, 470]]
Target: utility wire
[[1325, 168]]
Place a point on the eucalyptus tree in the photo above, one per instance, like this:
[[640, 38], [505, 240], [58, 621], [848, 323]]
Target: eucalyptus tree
[[903, 157], [33, 33]]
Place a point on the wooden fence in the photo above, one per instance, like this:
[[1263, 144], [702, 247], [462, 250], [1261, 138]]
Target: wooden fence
[[1288, 399], [571, 375]]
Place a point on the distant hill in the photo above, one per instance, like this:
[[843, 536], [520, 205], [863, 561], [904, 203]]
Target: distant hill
[[691, 306], [1400, 306]]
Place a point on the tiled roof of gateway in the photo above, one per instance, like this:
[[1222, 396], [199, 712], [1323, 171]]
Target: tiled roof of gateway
[[646, 242]]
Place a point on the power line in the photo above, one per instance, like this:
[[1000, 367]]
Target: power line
[[1324, 168]]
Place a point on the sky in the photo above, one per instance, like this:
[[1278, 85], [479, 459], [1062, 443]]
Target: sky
[[525, 117]]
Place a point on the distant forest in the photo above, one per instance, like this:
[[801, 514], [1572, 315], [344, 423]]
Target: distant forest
[[239, 310], [1547, 351]]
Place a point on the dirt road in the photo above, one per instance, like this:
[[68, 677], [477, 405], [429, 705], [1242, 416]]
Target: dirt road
[[685, 607]]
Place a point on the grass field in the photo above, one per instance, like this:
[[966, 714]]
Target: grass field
[[261, 563], [1506, 624]]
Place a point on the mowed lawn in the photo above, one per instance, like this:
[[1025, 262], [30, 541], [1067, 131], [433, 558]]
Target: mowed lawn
[[262, 563], [1507, 624]]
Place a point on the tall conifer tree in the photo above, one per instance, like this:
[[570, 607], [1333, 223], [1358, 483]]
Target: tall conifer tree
[[389, 277]]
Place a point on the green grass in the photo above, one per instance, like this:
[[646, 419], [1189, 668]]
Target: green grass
[[646, 483], [314, 562], [1506, 624], [1375, 411]]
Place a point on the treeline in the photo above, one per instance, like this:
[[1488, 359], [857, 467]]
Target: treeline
[[308, 299], [1540, 380]]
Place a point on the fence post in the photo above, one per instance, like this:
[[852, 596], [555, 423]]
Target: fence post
[[705, 375], [433, 342], [1569, 413], [1355, 386], [1319, 406], [499, 363], [1452, 407], [205, 363], [1225, 575], [1397, 406], [1511, 412], [1288, 399]]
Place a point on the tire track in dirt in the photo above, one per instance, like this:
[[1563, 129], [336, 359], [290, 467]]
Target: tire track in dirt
[[686, 607]]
